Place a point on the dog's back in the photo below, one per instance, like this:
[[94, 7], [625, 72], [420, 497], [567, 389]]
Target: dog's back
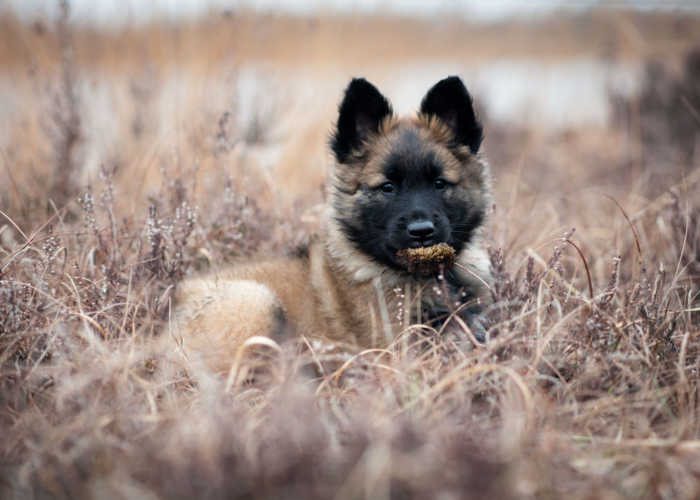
[[217, 313]]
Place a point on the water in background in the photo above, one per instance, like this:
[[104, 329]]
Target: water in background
[[106, 12]]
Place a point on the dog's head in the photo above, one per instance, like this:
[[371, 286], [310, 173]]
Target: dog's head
[[403, 183]]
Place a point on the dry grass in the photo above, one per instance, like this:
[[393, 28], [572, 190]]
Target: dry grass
[[317, 41], [587, 388]]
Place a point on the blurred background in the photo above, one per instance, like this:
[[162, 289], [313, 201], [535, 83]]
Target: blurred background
[[576, 96]]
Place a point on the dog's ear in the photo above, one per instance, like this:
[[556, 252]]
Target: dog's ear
[[450, 101], [361, 112]]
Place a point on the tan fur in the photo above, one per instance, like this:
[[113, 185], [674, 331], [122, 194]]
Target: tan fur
[[220, 314], [337, 292]]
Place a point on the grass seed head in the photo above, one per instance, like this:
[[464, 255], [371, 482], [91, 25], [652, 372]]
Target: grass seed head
[[427, 260]]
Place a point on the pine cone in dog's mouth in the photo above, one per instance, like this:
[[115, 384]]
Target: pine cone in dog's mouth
[[427, 260]]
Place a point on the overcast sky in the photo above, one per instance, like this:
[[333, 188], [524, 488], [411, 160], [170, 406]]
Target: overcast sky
[[107, 11]]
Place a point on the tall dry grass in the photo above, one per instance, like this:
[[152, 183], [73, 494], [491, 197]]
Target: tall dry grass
[[587, 387]]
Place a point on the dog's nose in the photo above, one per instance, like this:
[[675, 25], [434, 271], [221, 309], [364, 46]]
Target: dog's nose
[[421, 229]]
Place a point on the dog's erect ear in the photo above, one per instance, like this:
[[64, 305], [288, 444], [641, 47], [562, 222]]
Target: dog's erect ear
[[361, 112], [450, 101]]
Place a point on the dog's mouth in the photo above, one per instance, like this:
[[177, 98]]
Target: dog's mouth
[[427, 259], [415, 245]]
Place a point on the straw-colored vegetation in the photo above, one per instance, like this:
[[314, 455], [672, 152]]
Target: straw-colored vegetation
[[587, 387]]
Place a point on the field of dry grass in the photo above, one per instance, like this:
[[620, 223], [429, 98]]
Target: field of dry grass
[[131, 160]]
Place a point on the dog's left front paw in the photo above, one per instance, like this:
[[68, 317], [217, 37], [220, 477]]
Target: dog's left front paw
[[478, 323]]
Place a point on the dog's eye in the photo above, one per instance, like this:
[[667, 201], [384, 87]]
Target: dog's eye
[[440, 184], [387, 187]]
